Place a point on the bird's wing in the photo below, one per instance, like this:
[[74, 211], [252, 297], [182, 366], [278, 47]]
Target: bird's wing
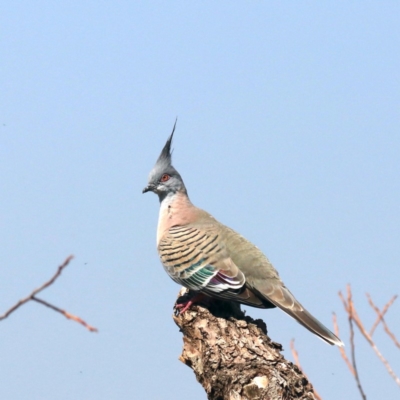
[[264, 282], [194, 257]]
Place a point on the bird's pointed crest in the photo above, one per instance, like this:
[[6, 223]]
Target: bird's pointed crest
[[165, 156]]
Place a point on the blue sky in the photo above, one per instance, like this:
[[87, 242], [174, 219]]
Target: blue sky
[[288, 131]]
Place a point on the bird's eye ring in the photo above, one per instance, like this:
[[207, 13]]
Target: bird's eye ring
[[165, 178]]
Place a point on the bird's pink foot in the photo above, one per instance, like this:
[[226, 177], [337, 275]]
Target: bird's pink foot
[[185, 305], [182, 307]]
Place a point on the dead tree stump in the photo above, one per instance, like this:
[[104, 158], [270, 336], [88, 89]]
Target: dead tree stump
[[234, 359]]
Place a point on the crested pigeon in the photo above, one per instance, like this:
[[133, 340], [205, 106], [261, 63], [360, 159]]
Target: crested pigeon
[[209, 258]]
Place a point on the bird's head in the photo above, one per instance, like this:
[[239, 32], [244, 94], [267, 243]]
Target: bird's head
[[164, 179]]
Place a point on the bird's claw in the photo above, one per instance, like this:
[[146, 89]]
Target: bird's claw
[[180, 308]]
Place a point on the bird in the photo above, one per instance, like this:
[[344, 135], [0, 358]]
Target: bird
[[211, 259]]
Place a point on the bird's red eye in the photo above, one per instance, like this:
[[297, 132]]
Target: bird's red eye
[[165, 178]]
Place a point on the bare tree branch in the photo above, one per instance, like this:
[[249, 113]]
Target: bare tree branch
[[352, 345], [348, 305], [352, 313], [342, 349], [33, 297], [66, 314], [295, 355], [380, 318]]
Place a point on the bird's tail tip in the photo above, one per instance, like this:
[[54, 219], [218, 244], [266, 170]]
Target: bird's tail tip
[[330, 338], [339, 343]]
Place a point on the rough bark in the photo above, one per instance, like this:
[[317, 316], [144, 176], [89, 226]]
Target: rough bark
[[234, 359]]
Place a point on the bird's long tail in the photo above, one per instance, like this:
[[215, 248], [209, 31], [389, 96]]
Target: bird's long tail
[[281, 297], [304, 318]]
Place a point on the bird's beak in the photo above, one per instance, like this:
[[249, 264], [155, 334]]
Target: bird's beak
[[148, 188]]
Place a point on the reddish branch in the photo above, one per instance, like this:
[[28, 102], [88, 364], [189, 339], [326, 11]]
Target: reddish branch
[[352, 346], [381, 314], [353, 317], [341, 349], [33, 297], [295, 355], [380, 318]]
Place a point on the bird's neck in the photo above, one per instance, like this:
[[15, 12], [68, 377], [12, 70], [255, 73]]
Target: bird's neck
[[175, 209]]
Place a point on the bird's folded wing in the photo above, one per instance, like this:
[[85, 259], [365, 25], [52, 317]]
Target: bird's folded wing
[[194, 258]]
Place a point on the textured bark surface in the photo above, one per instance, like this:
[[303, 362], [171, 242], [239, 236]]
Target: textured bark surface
[[234, 359]]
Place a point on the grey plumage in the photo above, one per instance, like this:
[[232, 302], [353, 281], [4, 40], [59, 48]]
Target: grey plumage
[[164, 166], [206, 256]]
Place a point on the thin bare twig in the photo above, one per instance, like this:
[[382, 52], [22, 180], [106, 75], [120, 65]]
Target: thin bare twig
[[295, 355], [380, 318], [341, 348], [66, 314], [381, 314], [351, 311], [39, 289], [352, 345], [390, 334], [33, 297]]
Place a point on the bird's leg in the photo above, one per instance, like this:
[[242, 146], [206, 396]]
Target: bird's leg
[[184, 305]]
